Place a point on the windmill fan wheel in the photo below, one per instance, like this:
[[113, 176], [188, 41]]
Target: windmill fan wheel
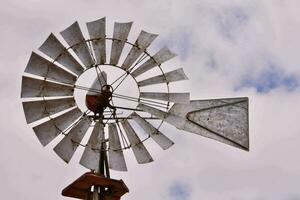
[[52, 77]]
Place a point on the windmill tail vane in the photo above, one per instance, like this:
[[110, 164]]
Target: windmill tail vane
[[114, 113]]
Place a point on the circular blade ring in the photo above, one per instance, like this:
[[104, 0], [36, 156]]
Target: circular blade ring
[[152, 61]]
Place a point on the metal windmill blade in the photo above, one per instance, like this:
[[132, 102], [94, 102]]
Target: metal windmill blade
[[114, 117]]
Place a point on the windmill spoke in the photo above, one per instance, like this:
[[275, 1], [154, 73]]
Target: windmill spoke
[[101, 73], [126, 108], [122, 118], [120, 82], [129, 98], [87, 89], [128, 72], [98, 76], [143, 57], [118, 78], [139, 99]]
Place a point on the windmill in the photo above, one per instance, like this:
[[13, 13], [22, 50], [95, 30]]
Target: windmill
[[115, 120]]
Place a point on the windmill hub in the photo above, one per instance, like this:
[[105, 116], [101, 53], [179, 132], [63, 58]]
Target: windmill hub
[[89, 98], [99, 102]]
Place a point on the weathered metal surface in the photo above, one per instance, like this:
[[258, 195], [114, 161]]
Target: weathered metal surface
[[48, 130], [163, 141], [91, 155], [38, 88], [121, 31], [143, 41], [40, 66], [224, 120], [66, 148], [116, 157], [96, 29], [81, 188], [98, 83], [172, 97], [172, 76], [160, 57], [35, 110], [74, 37], [53, 48], [96, 195], [229, 120], [139, 150], [153, 111]]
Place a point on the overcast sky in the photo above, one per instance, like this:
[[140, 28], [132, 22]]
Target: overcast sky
[[227, 48]]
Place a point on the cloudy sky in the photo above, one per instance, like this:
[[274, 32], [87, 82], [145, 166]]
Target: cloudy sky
[[227, 48]]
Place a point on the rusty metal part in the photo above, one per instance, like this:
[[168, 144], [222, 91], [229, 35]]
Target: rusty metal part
[[81, 188], [98, 103]]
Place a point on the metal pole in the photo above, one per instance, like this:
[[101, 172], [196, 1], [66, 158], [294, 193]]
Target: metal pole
[[99, 195], [101, 171]]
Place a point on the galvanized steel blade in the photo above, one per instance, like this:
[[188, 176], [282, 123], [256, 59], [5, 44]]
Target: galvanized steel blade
[[172, 97], [66, 148], [48, 130], [116, 157], [38, 88], [74, 37], [160, 57], [163, 141], [121, 31], [143, 41], [35, 110], [98, 83], [172, 76], [92, 152], [53, 48], [139, 150], [40, 66], [97, 31]]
